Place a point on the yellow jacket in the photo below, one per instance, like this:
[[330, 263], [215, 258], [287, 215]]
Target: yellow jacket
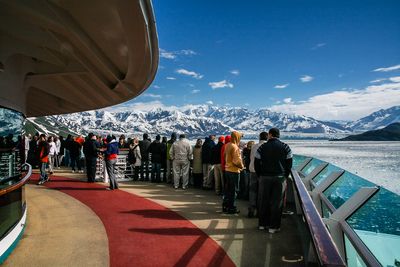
[[233, 157]]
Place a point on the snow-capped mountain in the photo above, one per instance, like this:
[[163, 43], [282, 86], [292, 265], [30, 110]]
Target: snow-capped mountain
[[194, 120], [377, 120]]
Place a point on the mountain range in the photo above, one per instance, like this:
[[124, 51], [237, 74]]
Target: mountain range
[[201, 120], [389, 133]]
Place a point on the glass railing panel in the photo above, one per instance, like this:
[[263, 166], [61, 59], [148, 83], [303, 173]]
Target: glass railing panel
[[377, 223], [298, 160], [311, 166], [325, 173], [326, 213], [11, 210], [345, 187], [353, 259]]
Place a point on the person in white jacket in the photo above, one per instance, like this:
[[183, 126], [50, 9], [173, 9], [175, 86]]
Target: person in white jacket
[[57, 157], [181, 153], [52, 153]]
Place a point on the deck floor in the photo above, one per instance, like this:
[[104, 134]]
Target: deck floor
[[236, 234]]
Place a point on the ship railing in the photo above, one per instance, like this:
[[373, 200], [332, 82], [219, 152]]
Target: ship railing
[[361, 218], [12, 208], [123, 170]]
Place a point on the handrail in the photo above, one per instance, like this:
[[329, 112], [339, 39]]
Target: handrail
[[326, 250], [20, 183]]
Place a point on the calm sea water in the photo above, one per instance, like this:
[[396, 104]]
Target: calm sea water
[[378, 162]]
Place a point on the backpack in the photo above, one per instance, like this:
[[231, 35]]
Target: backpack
[[132, 156]]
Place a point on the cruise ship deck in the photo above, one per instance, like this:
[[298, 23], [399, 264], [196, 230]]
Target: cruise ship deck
[[74, 223]]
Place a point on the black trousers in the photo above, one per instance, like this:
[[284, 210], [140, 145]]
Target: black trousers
[[231, 190], [270, 199], [91, 168]]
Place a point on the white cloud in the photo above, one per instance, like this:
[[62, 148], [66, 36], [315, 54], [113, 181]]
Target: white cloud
[[378, 80], [187, 52], [345, 104], [195, 91], [152, 95], [190, 73], [171, 78], [395, 79], [397, 67], [287, 100], [235, 72], [141, 106], [306, 78], [209, 102], [156, 86], [173, 54], [220, 84], [318, 46], [281, 86], [166, 54]]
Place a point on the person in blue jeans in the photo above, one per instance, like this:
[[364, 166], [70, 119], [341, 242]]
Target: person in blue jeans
[[111, 154]]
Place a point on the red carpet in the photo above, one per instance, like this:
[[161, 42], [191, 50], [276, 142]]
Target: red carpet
[[141, 232]]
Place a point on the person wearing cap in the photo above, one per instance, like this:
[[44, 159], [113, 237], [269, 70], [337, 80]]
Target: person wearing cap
[[156, 149], [273, 162], [218, 174], [233, 167], [181, 154]]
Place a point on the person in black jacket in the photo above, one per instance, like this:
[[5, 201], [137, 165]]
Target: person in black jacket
[[90, 149], [157, 151], [206, 157], [164, 159], [144, 147], [216, 161], [273, 162]]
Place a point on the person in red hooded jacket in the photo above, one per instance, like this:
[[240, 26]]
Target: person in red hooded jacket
[[43, 154]]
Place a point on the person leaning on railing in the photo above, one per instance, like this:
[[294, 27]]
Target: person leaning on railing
[[273, 162]]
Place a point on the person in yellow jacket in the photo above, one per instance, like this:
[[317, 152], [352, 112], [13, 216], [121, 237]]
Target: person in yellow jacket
[[233, 166]]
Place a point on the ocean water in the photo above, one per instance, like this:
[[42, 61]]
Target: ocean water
[[378, 162]]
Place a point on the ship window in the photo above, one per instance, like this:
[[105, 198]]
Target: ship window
[[11, 125]]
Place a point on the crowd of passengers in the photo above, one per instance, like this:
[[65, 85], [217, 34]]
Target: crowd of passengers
[[256, 172]]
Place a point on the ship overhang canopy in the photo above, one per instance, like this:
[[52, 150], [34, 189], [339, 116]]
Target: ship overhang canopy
[[64, 56]]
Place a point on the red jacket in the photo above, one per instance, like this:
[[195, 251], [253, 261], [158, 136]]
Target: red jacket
[[227, 140]]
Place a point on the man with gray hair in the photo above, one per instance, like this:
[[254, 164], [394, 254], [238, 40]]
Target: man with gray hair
[[181, 153]]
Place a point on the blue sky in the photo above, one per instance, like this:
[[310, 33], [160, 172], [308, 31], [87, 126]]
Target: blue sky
[[333, 60]]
